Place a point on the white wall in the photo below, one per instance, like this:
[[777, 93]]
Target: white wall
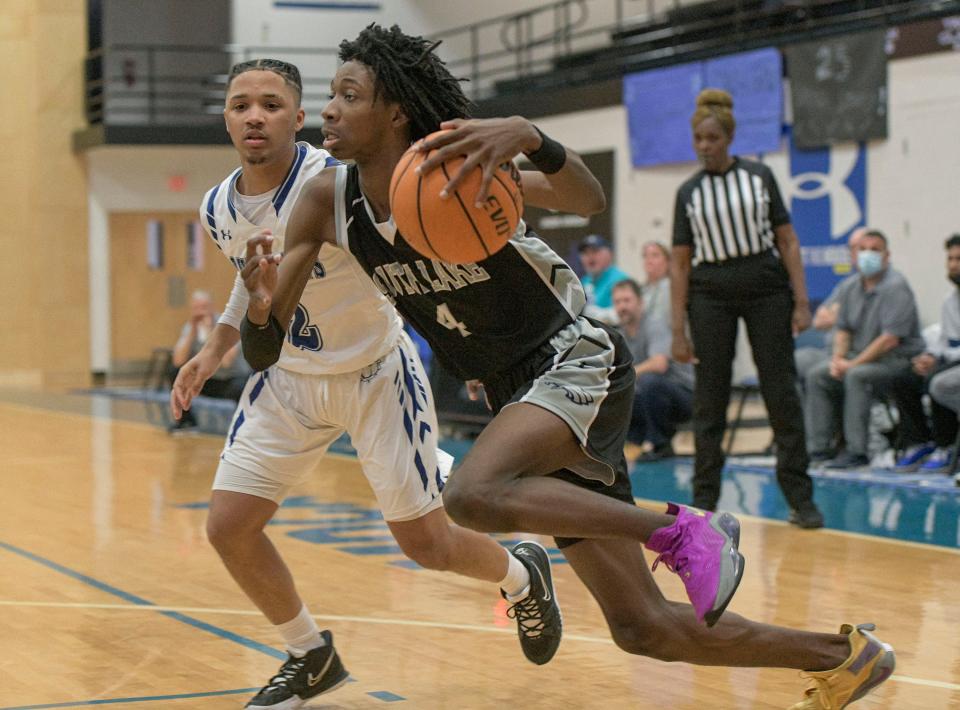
[[134, 179], [914, 176], [98, 246]]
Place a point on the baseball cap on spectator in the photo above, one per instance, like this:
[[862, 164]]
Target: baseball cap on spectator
[[593, 241]]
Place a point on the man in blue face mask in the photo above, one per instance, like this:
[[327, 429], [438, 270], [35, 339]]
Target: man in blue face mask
[[878, 331]]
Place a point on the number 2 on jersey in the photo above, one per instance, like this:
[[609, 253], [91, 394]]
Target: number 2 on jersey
[[303, 334], [446, 319]]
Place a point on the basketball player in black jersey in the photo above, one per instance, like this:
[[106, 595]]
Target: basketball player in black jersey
[[551, 461]]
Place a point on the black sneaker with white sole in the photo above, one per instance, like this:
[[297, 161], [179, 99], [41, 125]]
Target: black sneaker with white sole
[[300, 679], [539, 625]]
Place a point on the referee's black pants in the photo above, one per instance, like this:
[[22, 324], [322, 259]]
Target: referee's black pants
[[756, 289]]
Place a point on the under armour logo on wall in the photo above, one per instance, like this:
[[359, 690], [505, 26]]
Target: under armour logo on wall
[[825, 187], [845, 209]]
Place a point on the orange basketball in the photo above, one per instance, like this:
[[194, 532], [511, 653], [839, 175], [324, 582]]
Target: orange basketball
[[454, 229]]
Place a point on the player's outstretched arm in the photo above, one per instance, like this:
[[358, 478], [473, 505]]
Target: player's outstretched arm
[[275, 290], [201, 367], [562, 183]]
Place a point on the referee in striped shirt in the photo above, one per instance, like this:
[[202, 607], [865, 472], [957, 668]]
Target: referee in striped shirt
[[736, 255]]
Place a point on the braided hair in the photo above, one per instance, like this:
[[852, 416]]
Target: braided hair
[[408, 72], [286, 71]]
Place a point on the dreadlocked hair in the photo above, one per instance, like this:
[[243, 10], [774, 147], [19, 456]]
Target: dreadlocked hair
[[408, 72]]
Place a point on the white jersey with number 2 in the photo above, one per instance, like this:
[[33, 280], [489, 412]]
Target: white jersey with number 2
[[342, 322]]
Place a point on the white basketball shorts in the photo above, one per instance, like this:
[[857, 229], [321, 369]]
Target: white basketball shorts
[[286, 421]]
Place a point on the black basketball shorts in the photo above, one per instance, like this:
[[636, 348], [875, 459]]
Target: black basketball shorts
[[583, 374]]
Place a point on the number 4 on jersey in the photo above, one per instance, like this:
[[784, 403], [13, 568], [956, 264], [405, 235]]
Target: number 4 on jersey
[[446, 319]]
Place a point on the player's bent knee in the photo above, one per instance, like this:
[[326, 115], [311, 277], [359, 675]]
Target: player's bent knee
[[473, 507], [457, 502], [218, 533], [228, 533]]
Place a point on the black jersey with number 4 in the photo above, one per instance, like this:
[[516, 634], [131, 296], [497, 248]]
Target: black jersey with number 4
[[480, 318]]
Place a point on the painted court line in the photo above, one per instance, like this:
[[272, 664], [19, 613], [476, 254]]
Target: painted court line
[[320, 617], [140, 601], [384, 695], [142, 699], [142, 604], [389, 622], [927, 683]]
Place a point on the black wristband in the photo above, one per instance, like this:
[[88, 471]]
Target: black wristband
[[261, 343], [550, 157]]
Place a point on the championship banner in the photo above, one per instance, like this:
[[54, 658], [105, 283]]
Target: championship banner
[[839, 89]]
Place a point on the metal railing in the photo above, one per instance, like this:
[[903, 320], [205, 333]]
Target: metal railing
[[184, 84], [560, 42]]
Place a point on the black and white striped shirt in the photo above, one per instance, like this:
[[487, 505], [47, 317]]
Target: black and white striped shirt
[[728, 215]]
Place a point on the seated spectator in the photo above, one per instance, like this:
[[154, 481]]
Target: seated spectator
[[928, 443], [600, 275], [945, 391], [825, 317], [656, 291], [229, 380], [878, 331], [664, 390]]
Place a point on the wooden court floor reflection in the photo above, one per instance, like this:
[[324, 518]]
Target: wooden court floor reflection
[[109, 593]]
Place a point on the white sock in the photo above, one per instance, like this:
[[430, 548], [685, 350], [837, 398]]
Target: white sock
[[301, 633], [516, 585]]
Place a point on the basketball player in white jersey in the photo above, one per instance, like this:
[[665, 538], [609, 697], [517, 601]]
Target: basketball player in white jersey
[[346, 366]]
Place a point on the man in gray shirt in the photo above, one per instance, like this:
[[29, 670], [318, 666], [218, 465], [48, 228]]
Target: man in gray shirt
[[878, 331], [825, 317], [664, 391]]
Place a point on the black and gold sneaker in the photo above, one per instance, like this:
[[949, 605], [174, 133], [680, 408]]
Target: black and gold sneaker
[[300, 679]]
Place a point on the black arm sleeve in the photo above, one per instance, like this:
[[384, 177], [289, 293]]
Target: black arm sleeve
[[261, 343]]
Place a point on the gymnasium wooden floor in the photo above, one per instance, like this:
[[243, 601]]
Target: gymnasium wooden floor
[[110, 595]]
